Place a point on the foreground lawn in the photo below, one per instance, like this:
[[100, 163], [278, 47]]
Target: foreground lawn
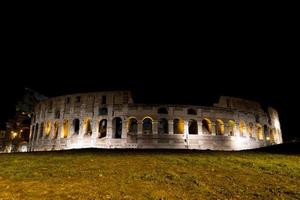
[[149, 175]]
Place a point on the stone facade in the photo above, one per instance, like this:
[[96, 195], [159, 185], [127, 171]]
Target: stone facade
[[113, 120]]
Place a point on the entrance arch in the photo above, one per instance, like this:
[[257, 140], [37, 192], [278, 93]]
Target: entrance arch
[[117, 127]]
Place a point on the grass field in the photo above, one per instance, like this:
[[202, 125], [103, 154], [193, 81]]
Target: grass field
[[96, 174]]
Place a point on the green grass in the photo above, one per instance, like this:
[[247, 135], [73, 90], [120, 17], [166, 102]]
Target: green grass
[[149, 175]]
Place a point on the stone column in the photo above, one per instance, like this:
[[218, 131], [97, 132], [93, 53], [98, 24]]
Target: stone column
[[226, 130], [199, 124], [109, 129], [140, 127], [154, 127], [124, 129], [171, 127], [213, 128]]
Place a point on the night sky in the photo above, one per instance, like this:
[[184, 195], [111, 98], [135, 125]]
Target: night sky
[[157, 67]]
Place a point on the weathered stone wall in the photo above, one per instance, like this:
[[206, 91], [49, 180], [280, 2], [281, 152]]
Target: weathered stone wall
[[112, 120]]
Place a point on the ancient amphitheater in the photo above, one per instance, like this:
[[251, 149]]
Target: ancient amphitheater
[[113, 120]]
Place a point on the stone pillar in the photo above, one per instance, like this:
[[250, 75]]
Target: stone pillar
[[171, 127], [226, 130], [154, 127], [140, 128], [199, 124], [186, 128], [124, 129], [109, 129], [213, 128]]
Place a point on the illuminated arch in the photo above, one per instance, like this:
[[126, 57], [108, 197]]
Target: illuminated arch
[[242, 128], [87, 127], [220, 127], [65, 129], [48, 129], [231, 127], [178, 125], [259, 132], [206, 126]]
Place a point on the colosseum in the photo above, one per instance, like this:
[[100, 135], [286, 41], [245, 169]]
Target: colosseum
[[113, 120]]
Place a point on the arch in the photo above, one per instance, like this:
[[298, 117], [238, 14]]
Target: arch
[[250, 129], [193, 127], [178, 125], [48, 129], [102, 128], [242, 128], [259, 132], [65, 129], [163, 126], [206, 126], [42, 130], [132, 125], [76, 126], [266, 132], [192, 111], [56, 126], [162, 111], [231, 127], [117, 127], [220, 127], [87, 127], [271, 135], [36, 131], [147, 125]]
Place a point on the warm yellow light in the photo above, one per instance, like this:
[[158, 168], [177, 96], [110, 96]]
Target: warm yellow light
[[14, 134], [21, 131], [267, 138]]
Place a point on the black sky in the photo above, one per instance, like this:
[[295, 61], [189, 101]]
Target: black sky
[[159, 65]]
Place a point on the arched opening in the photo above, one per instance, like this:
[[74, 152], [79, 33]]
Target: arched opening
[[206, 126], [192, 111], [102, 128], [220, 127], [56, 126], [48, 129], [231, 127], [259, 132], [76, 126], [163, 126], [178, 126], [250, 129], [193, 127], [117, 127], [242, 128], [132, 125], [65, 129], [87, 127], [266, 132], [42, 130], [32, 132], [162, 111], [147, 126]]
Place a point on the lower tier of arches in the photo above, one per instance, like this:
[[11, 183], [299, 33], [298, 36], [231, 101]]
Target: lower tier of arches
[[200, 142]]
